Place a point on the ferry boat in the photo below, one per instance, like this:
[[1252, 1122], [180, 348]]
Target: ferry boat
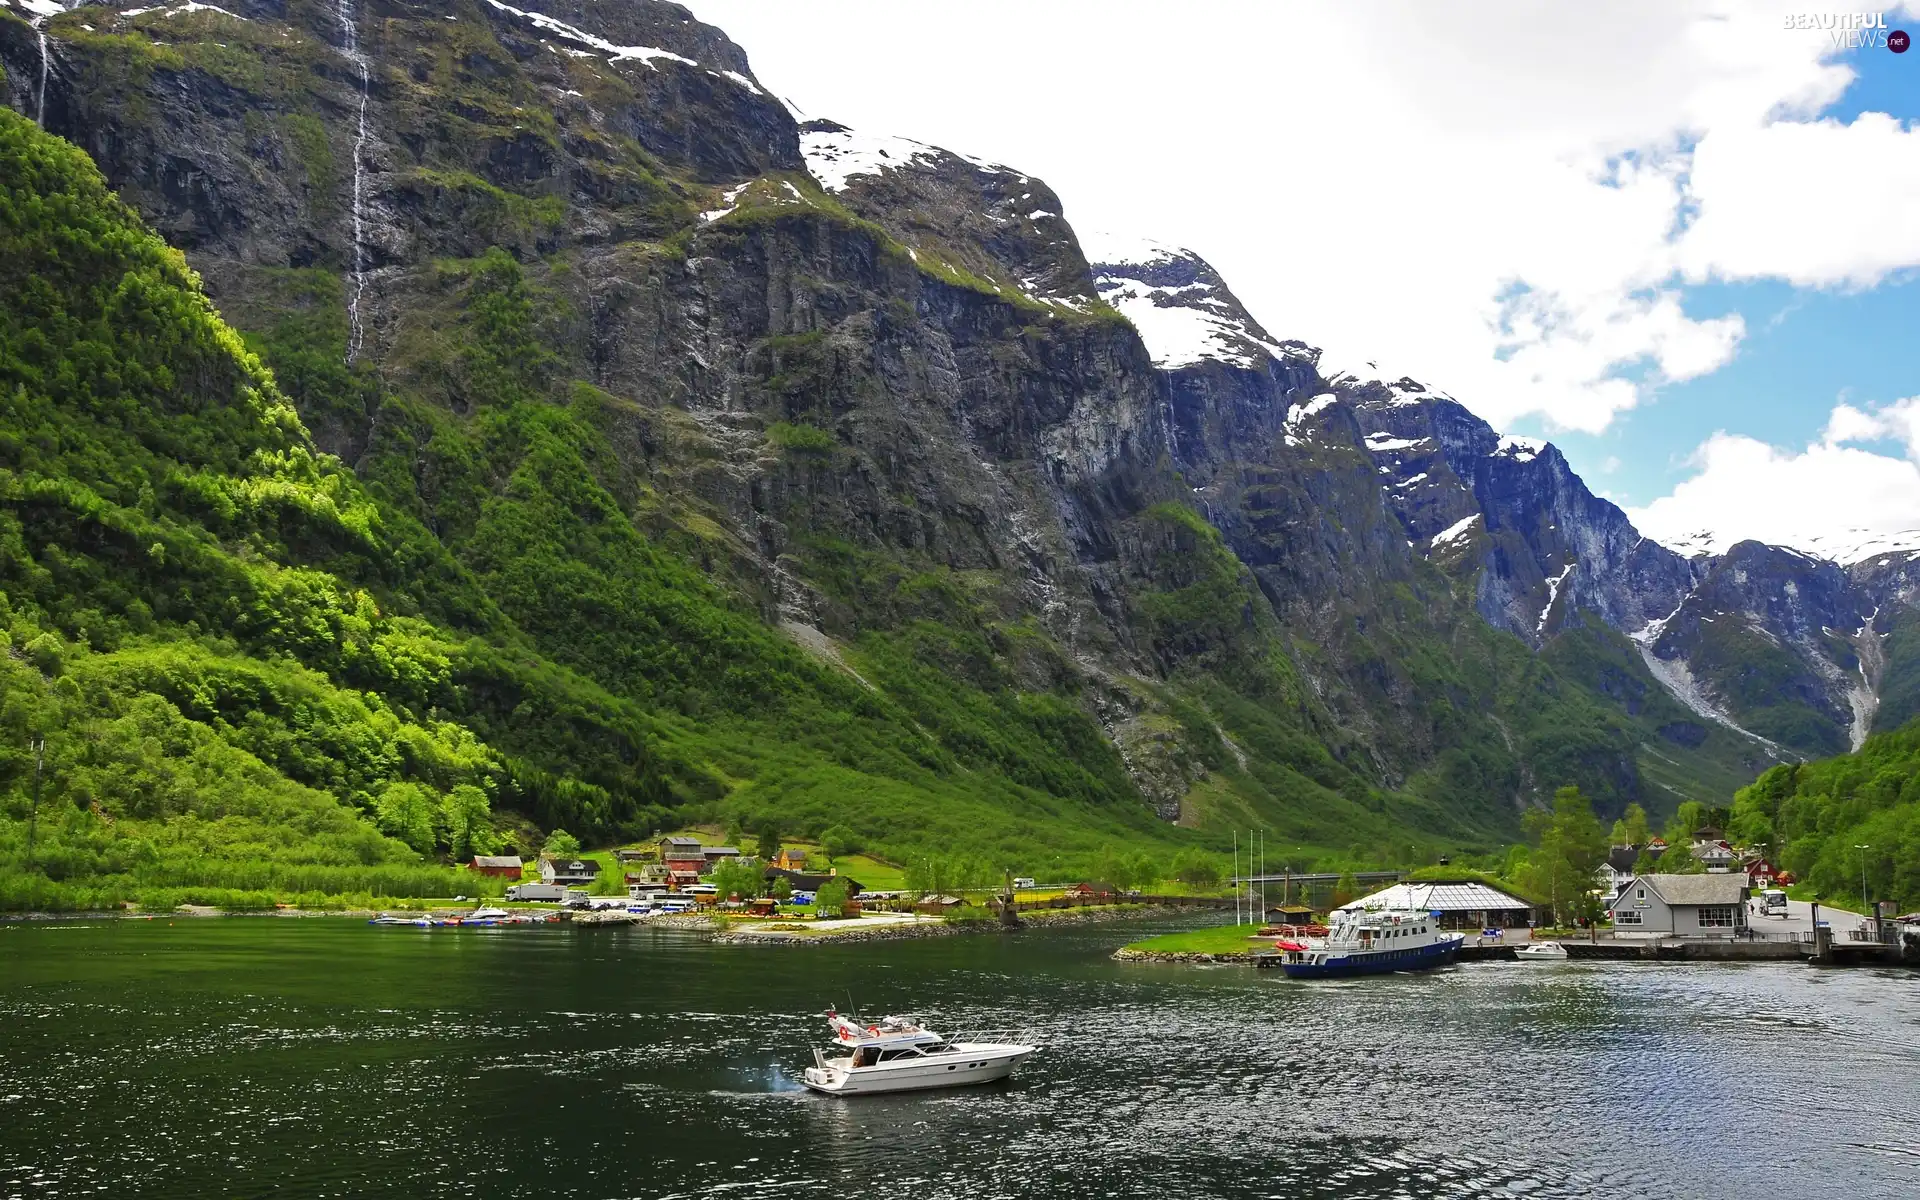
[[900, 1055], [1363, 942]]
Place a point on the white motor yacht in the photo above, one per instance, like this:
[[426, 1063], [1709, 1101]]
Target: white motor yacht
[[1541, 952], [899, 1055]]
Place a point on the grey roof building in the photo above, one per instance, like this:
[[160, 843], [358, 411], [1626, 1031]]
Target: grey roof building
[[1711, 905], [1462, 904]]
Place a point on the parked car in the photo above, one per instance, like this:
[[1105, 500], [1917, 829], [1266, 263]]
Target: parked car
[[1022, 883], [801, 898]]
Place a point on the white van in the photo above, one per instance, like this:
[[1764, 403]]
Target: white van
[[1022, 883]]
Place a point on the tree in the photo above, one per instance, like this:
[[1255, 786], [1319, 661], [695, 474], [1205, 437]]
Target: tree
[[1691, 815], [736, 833], [1197, 869], [468, 819], [782, 889], [839, 841], [408, 812], [561, 844], [767, 834], [1346, 889], [1142, 870], [1572, 847], [831, 899], [933, 875], [1638, 832], [733, 879]]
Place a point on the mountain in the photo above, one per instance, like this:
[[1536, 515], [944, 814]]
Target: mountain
[[720, 465]]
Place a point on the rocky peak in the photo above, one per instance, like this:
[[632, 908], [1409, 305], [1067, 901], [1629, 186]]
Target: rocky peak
[[1182, 307], [1512, 509], [963, 217]]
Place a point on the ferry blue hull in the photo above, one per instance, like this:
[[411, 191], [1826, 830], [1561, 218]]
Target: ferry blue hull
[[1377, 962]]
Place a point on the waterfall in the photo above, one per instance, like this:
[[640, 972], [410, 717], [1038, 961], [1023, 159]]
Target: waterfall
[[350, 45], [41, 12]]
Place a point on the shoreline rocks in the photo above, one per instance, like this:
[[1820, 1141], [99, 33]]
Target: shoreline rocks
[[1129, 954]]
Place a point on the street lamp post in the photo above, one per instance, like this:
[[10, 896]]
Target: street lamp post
[[1863, 879]]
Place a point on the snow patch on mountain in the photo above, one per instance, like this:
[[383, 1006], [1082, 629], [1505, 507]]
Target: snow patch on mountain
[[1453, 532], [645, 54], [1520, 449], [1553, 593], [836, 157], [1183, 323], [1380, 443]]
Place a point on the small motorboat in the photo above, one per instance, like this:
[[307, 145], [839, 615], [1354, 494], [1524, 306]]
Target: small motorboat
[[1541, 952], [900, 1055], [488, 914]]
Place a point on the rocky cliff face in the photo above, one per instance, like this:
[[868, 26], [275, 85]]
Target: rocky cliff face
[[879, 391]]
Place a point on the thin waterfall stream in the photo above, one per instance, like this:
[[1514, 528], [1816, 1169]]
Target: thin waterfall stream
[[350, 45], [42, 11]]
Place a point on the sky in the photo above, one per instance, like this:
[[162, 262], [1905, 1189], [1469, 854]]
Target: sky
[[1680, 240]]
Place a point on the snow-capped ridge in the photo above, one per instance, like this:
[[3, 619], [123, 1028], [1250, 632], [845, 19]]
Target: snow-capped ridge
[[837, 155], [572, 33], [1182, 309]]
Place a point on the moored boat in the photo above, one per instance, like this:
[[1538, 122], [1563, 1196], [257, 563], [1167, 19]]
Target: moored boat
[[900, 1055], [1541, 952], [1376, 942]]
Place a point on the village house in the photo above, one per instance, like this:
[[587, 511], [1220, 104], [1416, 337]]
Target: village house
[[1689, 905], [802, 882], [569, 872], [1617, 870], [714, 855], [1717, 856], [791, 859], [506, 866], [684, 858], [651, 874]]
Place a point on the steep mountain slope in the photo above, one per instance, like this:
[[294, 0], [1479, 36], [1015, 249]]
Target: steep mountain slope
[[1845, 824], [830, 467]]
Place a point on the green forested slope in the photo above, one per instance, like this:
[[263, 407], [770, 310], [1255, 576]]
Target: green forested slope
[[243, 667], [1817, 815]]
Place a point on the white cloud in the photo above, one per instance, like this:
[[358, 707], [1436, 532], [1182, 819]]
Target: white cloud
[[1501, 199], [1826, 499]]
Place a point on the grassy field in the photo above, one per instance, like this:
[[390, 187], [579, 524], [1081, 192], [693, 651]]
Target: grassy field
[[1216, 939]]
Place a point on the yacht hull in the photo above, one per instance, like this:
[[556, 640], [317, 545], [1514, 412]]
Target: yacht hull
[[1377, 962], [971, 1065]]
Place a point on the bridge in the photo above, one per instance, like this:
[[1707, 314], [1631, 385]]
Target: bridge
[[1325, 878]]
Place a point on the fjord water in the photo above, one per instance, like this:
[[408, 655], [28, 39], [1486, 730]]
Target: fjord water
[[311, 1058]]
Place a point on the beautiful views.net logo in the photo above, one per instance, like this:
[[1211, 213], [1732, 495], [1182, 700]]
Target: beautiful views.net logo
[[1853, 31]]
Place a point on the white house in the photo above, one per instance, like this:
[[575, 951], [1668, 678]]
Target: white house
[[1617, 871], [1718, 856], [1690, 905], [577, 872]]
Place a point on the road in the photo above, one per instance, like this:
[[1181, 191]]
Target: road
[[1799, 919]]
